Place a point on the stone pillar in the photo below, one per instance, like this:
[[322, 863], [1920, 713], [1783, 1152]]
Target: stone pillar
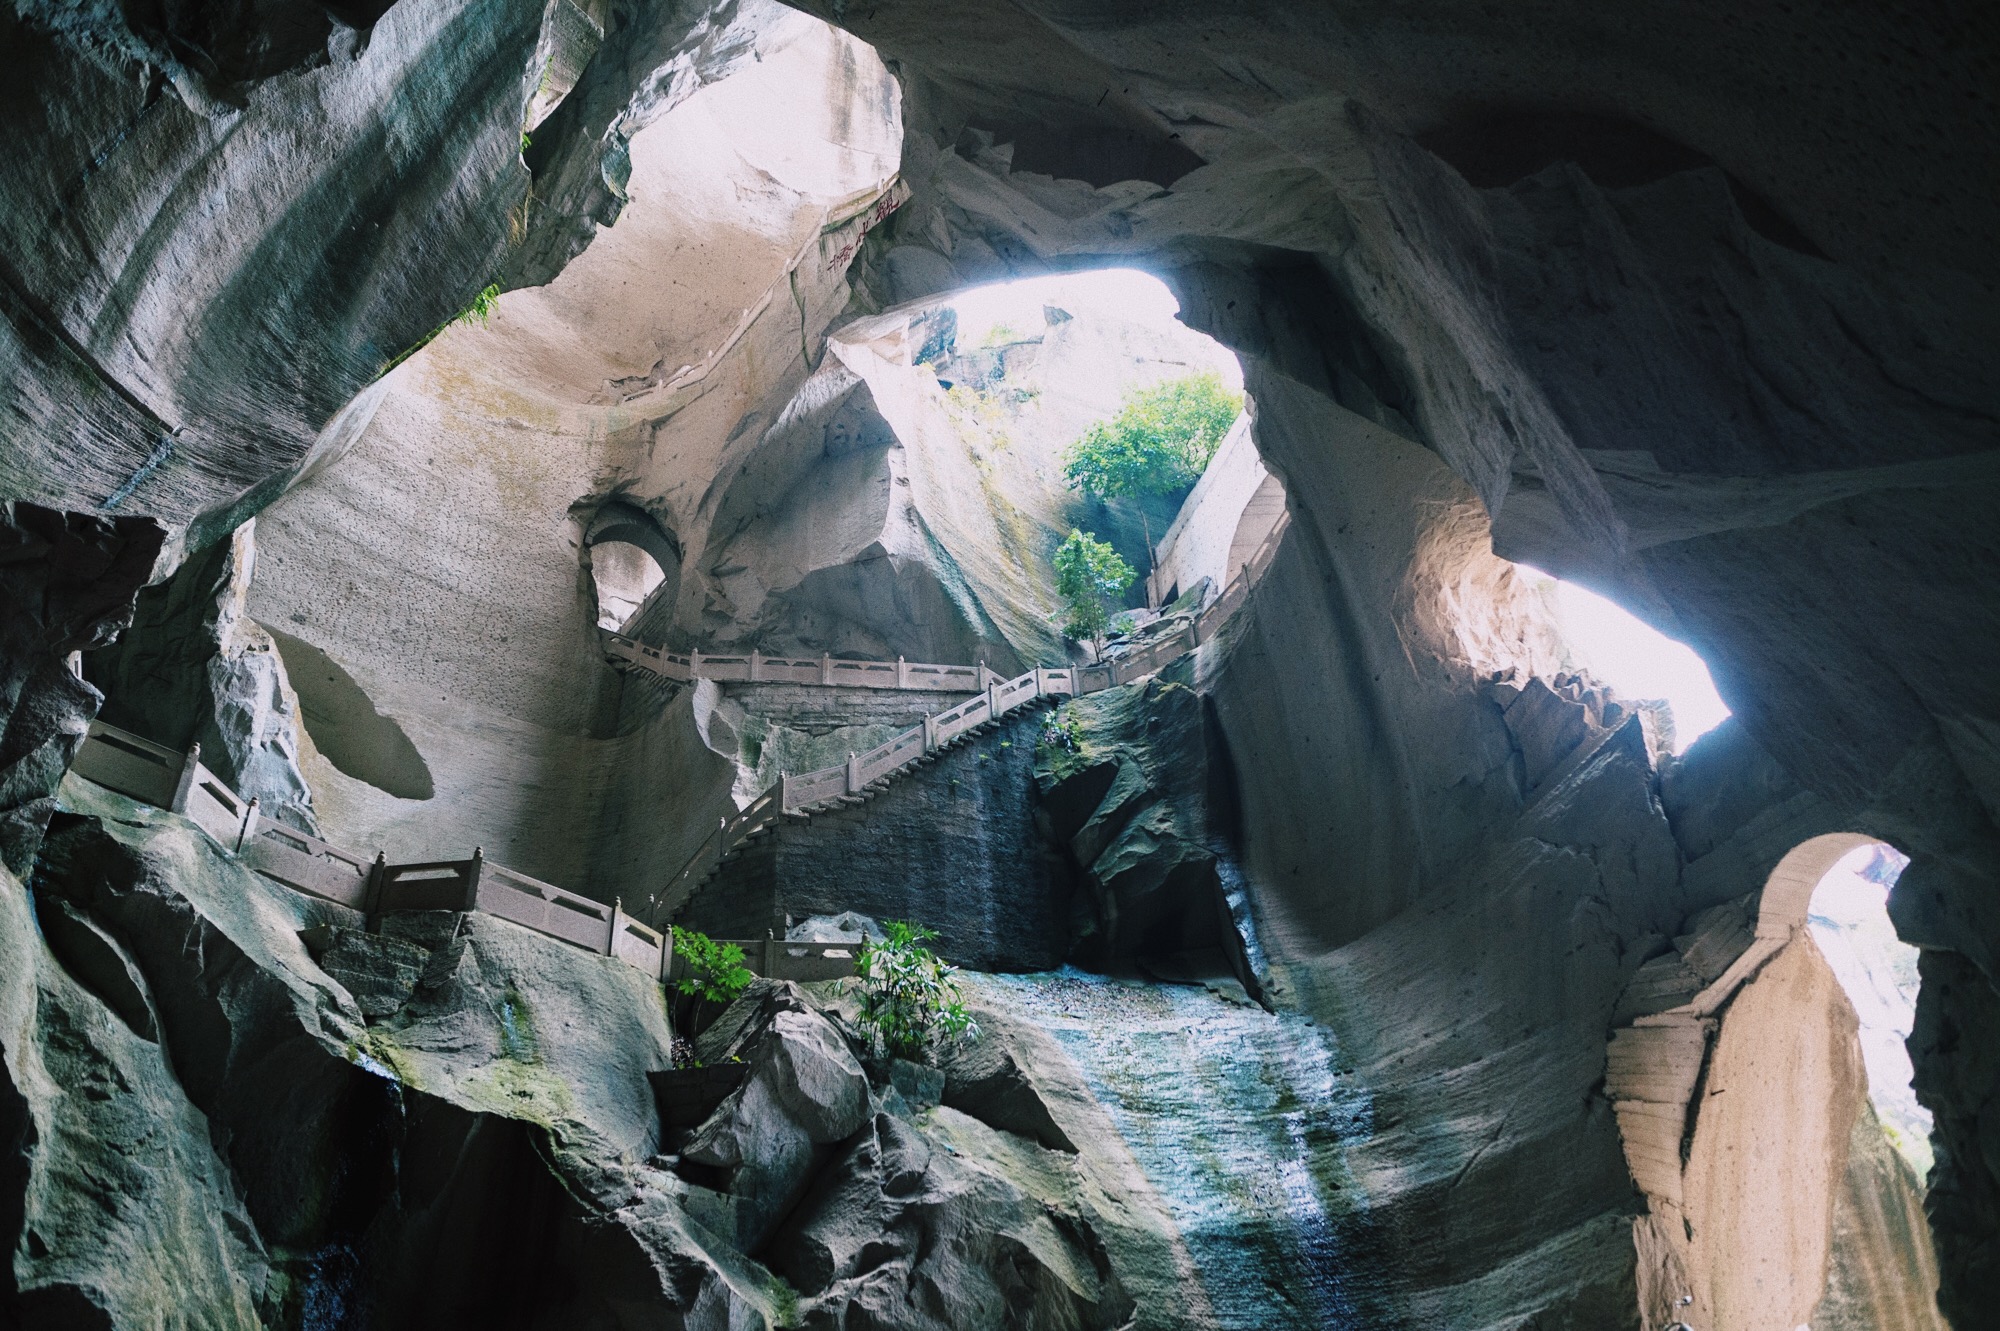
[[617, 922], [472, 872], [185, 786]]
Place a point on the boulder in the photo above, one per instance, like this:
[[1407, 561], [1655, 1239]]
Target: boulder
[[942, 1225], [805, 1093]]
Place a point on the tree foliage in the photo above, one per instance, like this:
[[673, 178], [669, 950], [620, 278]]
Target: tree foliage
[[1087, 572], [715, 971], [1158, 442], [909, 1002]]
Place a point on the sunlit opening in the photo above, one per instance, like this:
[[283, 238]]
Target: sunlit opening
[[1849, 919], [1639, 662], [1014, 311], [625, 576]]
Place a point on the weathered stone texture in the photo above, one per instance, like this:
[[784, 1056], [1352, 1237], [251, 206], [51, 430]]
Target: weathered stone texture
[[952, 845], [194, 668], [66, 583]]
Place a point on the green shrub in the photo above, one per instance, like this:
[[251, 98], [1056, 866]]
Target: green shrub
[[1061, 748], [715, 971], [910, 1005], [1158, 442], [1088, 571], [484, 303]]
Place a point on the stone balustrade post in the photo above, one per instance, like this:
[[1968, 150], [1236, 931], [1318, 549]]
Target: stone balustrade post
[[853, 774], [825, 668], [184, 787], [694, 663], [617, 922], [756, 666], [902, 674], [472, 873]]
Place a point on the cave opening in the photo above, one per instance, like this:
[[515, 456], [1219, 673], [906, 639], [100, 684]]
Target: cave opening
[[1638, 661], [1669, 303], [1848, 917], [1021, 343]]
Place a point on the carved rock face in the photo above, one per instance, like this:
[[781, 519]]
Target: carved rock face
[[1695, 309]]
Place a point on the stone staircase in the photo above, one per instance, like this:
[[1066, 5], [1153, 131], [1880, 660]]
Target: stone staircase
[[859, 778], [951, 840]]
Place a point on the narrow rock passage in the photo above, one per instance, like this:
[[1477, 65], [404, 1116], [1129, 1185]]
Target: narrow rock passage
[[1236, 1116]]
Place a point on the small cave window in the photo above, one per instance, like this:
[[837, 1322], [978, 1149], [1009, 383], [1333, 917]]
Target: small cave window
[[625, 576], [633, 560], [1848, 917], [1640, 663]]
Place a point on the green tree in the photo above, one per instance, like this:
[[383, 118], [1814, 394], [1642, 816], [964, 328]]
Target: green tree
[[1158, 442], [715, 971], [1088, 571], [909, 1002]]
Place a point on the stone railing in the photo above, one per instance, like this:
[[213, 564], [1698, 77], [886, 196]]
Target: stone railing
[[140, 769], [786, 959], [825, 671], [797, 793], [154, 774]]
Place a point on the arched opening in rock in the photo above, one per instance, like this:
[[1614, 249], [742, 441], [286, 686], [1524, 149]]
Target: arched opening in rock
[[1848, 917], [1642, 664], [624, 576], [1085, 347], [1766, 1107], [632, 562], [910, 498], [1130, 341]]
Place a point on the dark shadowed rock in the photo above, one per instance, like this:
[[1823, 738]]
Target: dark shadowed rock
[[194, 668], [947, 1224], [66, 584], [805, 1092]]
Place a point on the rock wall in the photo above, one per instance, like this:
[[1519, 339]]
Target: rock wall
[[71, 578], [194, 668], [286, 1118], [1503, 250], [953, 845], [1882, 1271], [439, 561], [1234, 505], [1696, 310]]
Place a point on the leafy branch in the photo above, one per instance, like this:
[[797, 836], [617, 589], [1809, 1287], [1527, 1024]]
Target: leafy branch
[[910, 1005]]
